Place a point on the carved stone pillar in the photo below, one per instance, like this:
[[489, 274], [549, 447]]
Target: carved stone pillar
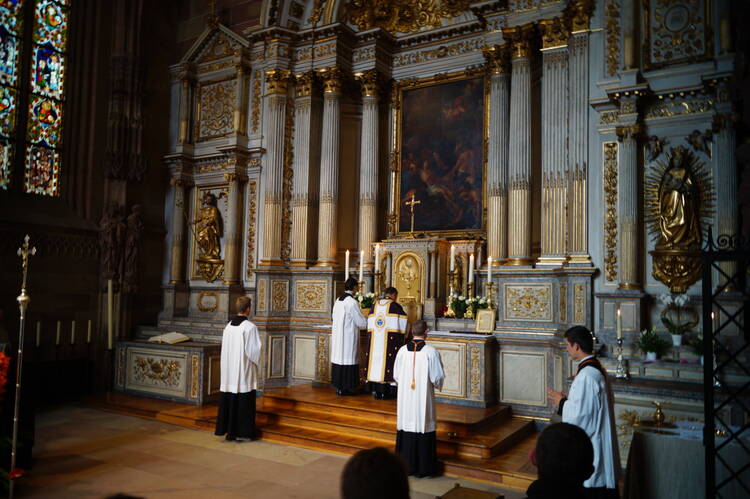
[[177, 269], [497, 150], [578, 103], [629, 209], [368, 174], [555, 36], [519, 150], [240, 104], [273, 169], [329, 168], [232, 231]]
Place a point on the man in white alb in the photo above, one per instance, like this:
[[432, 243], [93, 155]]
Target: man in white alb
[[347, 321], [418, 371], [386, 325], [590, 407], [240, 357]]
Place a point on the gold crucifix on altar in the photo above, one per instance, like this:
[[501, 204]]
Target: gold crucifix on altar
[[411, 205]]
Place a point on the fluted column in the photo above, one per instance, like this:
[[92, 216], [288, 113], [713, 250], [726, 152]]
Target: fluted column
[[368, 173], [578, 102], [519, 150], [240, 101], [497, 166], [185, 107], [232, 231], [177, 270], [301, 196], [273, 169], [629, 208], [726, 181], [555, 36], [329, 168]]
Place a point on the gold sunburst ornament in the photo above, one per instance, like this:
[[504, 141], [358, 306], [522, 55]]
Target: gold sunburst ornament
[[679, 205]]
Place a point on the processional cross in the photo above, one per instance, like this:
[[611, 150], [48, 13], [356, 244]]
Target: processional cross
[[411, 204]]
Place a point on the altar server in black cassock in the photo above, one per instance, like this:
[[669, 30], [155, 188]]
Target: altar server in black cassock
[[418, 371], [347, 321], [240, 357], [386, 326]]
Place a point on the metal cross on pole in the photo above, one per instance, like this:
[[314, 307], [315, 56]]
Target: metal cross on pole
[[411, 204]]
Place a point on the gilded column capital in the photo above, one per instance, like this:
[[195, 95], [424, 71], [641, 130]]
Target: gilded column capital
[[723, 120], [303, 84], [277, 81], [332, 80], [626, 132], [579, 13], [555, 32], [521, 39], [498, 58], [233, 177], [370, 82]]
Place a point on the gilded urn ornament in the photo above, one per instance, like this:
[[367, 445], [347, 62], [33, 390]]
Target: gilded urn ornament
[[679, 203]]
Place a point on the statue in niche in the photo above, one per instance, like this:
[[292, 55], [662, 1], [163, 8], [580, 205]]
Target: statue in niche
[[208, 228], [111, 238], [679, 217], [132, 249]]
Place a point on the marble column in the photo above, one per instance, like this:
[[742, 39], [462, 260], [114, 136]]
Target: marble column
[[520, 144], [273, 169], [177, 269], [629, 208], [578, 105], [555, 36], [240, 101], [232, 231], [186, 93], [498, 59], [329, 167], [302, 191], [368, 164]]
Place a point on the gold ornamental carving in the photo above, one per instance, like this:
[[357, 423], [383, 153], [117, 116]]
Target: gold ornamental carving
[[262, 292], [157, 371], [579, 13], [251, 208], [628, 132], [303, 84], [215, 111], [323, 359], [563, 302], [676, 31], [613, 31], [195, 376], [555, 32], [310, 296], [528, 302], [476, 375], [403, 16], [407, 276], [498, 58], [277, 81], [332, 78], [207, 296], [521, 39], [279, 296], [579, 303], [218, 48], [255, 117], [610, 211], [208, 232], [370, 82], [287, 180], [679, 205]]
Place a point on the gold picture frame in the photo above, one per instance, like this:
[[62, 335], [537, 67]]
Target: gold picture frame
[[485, 322]]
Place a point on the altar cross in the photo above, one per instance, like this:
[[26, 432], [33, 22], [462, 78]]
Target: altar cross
[[411, 204]]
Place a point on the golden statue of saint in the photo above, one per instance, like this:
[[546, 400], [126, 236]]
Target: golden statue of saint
[[678, 220], [208, 228]]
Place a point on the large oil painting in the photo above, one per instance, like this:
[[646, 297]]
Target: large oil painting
[[442, 163]]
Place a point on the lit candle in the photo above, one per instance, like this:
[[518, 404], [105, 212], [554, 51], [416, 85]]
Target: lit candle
[[471, 268], [489, 269], [73, 332], [377, 257], [88, 332], [38, 332], [110, 318], [57, 336], [619, 324], [361, 265], [453, 258], [346, 266]]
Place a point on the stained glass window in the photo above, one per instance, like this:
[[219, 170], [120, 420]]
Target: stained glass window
[[33, 35]]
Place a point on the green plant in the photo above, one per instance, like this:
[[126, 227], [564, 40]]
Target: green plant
[[365, 299], [675, 312], [650, 341]]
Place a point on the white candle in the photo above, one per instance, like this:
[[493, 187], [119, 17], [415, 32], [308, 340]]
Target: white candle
[[346, 265], [377, 257], [110, 318], [88, 332], [73, 332], [453, 258], [38, 332], [57, 336], [489, 269], [361, 265], [619, 324], [471, 268]]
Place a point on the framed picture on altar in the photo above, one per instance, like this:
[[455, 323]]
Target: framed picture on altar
[[441, 144], [485, 322]]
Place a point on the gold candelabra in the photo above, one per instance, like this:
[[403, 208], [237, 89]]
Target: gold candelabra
[[621, 372], [470, 289], [490, 294]]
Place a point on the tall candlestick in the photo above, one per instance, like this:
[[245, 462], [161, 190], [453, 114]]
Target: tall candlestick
[[377, 257], [346, 265], [110, 318], [88, 332], [38, 332], [361, 265], [57, 336], [73, 332], [489, 269], [471, 268], [453, 258], [619, 324]]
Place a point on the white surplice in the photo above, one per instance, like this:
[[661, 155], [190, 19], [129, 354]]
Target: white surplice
[[240, 357], [416, 407], [590, 406], [347, 321]]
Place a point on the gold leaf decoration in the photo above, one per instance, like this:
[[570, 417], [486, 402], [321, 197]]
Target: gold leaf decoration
[[403, 16]]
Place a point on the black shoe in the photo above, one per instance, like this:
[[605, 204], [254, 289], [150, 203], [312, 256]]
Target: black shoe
[[339, 392]]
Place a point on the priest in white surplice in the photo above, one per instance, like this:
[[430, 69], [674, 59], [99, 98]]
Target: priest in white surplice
[[347, 321], [418, 371], [240, 358], [386, 326], [590, 406]]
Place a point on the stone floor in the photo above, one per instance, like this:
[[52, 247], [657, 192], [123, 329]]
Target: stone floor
[[82, 452]]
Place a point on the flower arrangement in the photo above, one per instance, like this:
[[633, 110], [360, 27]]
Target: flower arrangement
[[649, 341], [365, 299], [460, 306], [675, 312]]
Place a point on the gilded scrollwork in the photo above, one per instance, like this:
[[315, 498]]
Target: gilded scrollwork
[[555, 32], [310, 296], [216, 108], [476, 374], [528, 302], [323, 359], [612, 30], [676, 32], [498, 58], [195, 376], [157, 371], [610, 210], [288, 177], [262, 292], [579, 303], [256, 104], [279, 295], [252, 208], [403, 16]]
